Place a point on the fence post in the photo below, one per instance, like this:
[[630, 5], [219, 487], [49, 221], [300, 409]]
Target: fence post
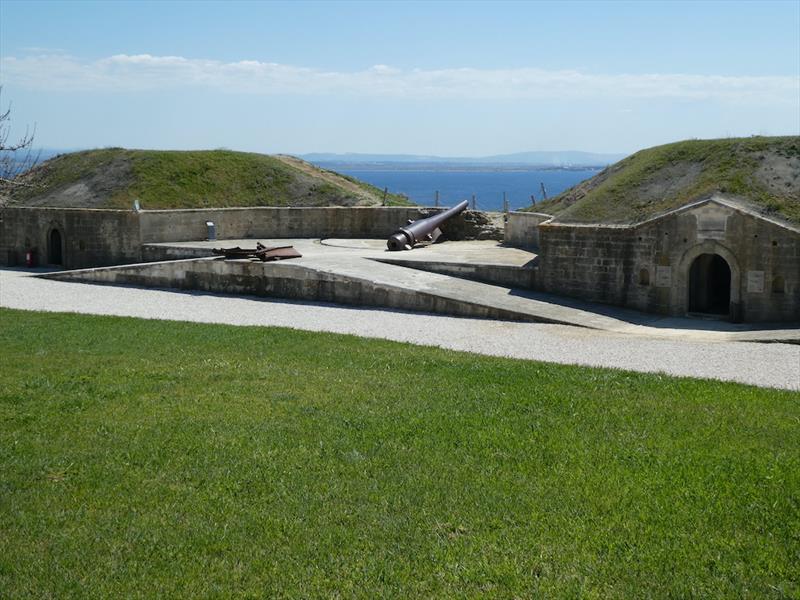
[[436, 201], [474, 203], [505, 203]]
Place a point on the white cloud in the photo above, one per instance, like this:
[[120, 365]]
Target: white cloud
[[41, 50], [126, 73]]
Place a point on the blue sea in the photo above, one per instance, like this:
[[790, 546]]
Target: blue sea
[[456, 185]]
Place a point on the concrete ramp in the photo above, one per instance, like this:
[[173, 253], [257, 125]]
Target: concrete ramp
[[466, 279], [360, 282]]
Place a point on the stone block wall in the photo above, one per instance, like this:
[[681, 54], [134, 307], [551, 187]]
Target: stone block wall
[[522, 229], [306, 222], [88, 237], [592, 263], [769, 258], [235, 223], [647, 267], [107, 237], [644, 266]]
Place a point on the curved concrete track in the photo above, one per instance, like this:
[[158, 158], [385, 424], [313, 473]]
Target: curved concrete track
[[769, 365]]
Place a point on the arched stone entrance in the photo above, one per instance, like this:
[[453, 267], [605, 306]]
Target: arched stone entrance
[[684, 290], [55, 248], [710, 285]]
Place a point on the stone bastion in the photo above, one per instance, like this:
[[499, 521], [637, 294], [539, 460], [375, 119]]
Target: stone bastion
[[713, 258]]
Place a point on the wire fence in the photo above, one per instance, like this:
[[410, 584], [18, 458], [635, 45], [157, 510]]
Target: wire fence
[[475, 203]]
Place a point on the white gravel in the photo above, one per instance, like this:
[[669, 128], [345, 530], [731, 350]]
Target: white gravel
[[768, 365]]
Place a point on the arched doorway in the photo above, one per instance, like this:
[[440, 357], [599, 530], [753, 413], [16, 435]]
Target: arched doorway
[[710, 285], [55, 248]]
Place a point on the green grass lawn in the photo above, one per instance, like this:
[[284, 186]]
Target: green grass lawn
[[152, 459]]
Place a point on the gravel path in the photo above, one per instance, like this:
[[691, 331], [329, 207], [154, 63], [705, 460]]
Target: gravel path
[[768, 365]]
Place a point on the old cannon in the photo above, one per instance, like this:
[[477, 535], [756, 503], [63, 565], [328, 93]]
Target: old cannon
[[422, 230]]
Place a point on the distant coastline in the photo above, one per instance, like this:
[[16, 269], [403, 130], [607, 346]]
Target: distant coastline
[[489, 185], [450, 167], [539, 159]]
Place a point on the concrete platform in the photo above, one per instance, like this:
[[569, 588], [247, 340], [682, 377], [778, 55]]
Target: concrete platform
[[472, 279]]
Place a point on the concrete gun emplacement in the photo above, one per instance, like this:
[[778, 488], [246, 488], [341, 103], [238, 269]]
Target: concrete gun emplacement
[[422, 230]]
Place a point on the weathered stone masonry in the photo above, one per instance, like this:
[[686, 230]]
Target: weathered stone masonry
[[92, 238], [648, 266], [714, 256], [88, 237]]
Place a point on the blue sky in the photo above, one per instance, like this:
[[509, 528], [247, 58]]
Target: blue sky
[[449, 78]]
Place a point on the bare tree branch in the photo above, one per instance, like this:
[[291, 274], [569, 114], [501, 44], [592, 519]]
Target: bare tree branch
[[16, 157]]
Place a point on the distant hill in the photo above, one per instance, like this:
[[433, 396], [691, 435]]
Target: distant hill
[[764, 172], [539, 159], [115, 177]]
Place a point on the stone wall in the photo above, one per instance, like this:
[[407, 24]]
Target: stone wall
[[286, 279], [88, 237], [591, 263], [765, 254], [106, 237], [237, 223], [647, 266], [307, 222], [522, 229]]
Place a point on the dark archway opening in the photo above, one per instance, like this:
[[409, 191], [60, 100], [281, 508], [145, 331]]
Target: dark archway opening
[[710, 285], [55, 253]]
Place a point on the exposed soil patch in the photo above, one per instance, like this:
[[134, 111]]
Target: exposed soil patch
[[92, 190], [780, 174], [360, 196], [669, 180]]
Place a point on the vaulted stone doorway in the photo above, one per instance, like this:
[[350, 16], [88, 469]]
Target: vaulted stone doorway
[[710, 285], [55, 248]]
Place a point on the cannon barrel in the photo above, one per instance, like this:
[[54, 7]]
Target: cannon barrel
[[422, 229]]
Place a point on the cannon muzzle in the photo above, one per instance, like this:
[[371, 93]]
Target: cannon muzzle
[[422, 230]]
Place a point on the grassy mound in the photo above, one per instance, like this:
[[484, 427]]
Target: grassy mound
[[163, 459], [115, 177], [764, 172]]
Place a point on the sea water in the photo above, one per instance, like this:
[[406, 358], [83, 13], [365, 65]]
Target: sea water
[[456, 185]]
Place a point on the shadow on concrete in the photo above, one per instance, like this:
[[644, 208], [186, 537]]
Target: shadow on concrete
[[292, 301], [34, 270], [635, 317]]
